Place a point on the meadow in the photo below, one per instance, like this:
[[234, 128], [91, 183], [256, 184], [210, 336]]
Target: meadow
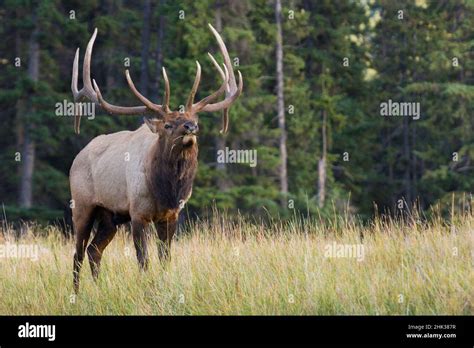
[[228, 267]]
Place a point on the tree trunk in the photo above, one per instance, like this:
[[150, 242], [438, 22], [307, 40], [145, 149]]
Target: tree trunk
[[110, 69], [20, 108], [322, 175], [27, 169], [406, 157], [406, 136], [159, 51], [28, 148], [414, 163], [391, 171], [281, 104], [145, 48]]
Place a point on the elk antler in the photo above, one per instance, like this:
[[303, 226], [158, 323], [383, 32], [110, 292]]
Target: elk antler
[[92, 92], [88, 92], [198, 106], [232, 91]]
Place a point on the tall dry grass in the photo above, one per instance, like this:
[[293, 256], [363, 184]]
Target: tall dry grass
[[222, 267]]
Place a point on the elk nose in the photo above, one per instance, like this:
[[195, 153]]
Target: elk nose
[[190, 127]]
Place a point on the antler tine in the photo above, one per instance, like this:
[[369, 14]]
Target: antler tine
[[75, 73], [75, 92], [142, 98], [202, 103], [86, 69], [225, 55], [197, 80], [230, 100], [225, 104], [166, 98], [87, 91], [225, 117], [233, 91], [221, 72]]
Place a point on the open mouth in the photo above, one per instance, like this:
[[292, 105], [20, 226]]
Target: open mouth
[[189, 139]]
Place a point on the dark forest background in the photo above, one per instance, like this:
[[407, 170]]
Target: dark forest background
[[322, 144]]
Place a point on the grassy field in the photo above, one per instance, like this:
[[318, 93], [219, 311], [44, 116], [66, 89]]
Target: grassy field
[[247, 268]]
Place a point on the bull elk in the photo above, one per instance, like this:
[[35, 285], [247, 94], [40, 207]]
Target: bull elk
[[155, 181]]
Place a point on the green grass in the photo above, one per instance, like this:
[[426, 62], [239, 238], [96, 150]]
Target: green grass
[[248, 268]]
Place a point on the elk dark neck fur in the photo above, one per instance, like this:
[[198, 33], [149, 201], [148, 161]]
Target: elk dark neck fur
[[170, 173]]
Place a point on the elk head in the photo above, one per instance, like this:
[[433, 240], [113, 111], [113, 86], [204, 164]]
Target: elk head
[[177, 129]]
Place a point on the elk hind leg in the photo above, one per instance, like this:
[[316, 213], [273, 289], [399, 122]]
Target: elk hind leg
[[83, 220], [105, 233]]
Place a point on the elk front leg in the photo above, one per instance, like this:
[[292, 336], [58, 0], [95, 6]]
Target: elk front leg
[[140, 242], [165, 230]]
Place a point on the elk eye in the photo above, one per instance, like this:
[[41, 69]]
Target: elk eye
[[168, 126]]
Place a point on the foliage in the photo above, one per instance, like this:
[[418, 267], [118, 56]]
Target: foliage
[[408, 59]]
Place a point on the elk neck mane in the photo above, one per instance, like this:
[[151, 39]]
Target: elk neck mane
[[170, 173]]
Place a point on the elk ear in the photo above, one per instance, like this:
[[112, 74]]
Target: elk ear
[[153, 124]]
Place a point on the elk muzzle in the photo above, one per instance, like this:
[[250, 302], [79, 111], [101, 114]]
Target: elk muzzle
[[190, 129]]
